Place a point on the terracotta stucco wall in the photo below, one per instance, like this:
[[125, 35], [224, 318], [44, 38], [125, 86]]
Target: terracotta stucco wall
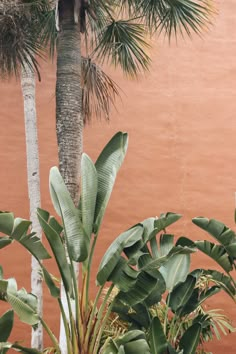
[[182, 127]]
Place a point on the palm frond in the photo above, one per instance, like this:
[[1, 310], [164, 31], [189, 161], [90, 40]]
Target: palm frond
[[184, 17], [173, 17], [99, 91], [20, 28], [123, 43], [48, 32]]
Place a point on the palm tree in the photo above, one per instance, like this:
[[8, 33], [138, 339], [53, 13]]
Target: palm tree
[[116, 31], [18, 48]]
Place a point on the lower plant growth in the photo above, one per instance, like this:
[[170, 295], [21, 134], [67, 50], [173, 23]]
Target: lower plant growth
[[148, 300]]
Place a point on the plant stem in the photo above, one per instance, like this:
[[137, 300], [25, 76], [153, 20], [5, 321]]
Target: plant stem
[[104, 321], [72, 325], [90, 259], [51, 335], [77, 307], [172, 328], [166, 316], [99, 318], [92, 315], [65, 325]]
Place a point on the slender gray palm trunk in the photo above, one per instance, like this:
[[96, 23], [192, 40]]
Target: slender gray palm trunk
[[28, 90], [69, 120]]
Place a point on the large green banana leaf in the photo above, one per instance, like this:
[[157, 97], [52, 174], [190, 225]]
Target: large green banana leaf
[[134, 342], [158, 341], [156, 294], [24, 304], [224, 235], [89, 186], [6, 222], [76, 238], [217, 253], [107, 166], [58, 250], [190, 339], [139, 317], [16, 229], [175, 270], [6, 324], [140, 290], [166, 220], [113, 254], [181, 294]]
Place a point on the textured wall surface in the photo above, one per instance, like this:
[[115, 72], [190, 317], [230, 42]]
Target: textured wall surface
[[181, 122]]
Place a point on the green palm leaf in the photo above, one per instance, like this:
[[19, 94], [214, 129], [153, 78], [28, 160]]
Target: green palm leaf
[[20, 28], [124, 43], [172, 16]]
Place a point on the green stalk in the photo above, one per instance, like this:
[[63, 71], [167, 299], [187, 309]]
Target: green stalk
[[51, 335], [88, 332], [172, 328], [104, 321], [179, 328], [65, 325], [166, 315], [89, 264], [77, 307], [99, 318], [72, 324]]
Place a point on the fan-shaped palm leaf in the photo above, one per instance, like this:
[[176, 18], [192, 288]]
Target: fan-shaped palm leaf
[[20, 40], [172, 16], [124, 43]]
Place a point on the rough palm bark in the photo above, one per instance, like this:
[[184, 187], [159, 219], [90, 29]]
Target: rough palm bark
[[28, 91], [69, 118], [69, 121]]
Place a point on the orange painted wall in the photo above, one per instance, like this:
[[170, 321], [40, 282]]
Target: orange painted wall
[[181, 122]]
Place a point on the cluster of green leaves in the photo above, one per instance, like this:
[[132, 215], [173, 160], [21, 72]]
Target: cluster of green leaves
[[143, 266], [181, 323]]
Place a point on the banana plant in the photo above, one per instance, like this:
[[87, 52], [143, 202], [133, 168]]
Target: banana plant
[[25, 306], [138, 270], [179, 323]]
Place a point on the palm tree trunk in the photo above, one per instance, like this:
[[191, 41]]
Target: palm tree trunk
[[69, 120], [28, 90]]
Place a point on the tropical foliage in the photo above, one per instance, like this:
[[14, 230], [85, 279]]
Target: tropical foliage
[[112, 30], [146, 291]]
